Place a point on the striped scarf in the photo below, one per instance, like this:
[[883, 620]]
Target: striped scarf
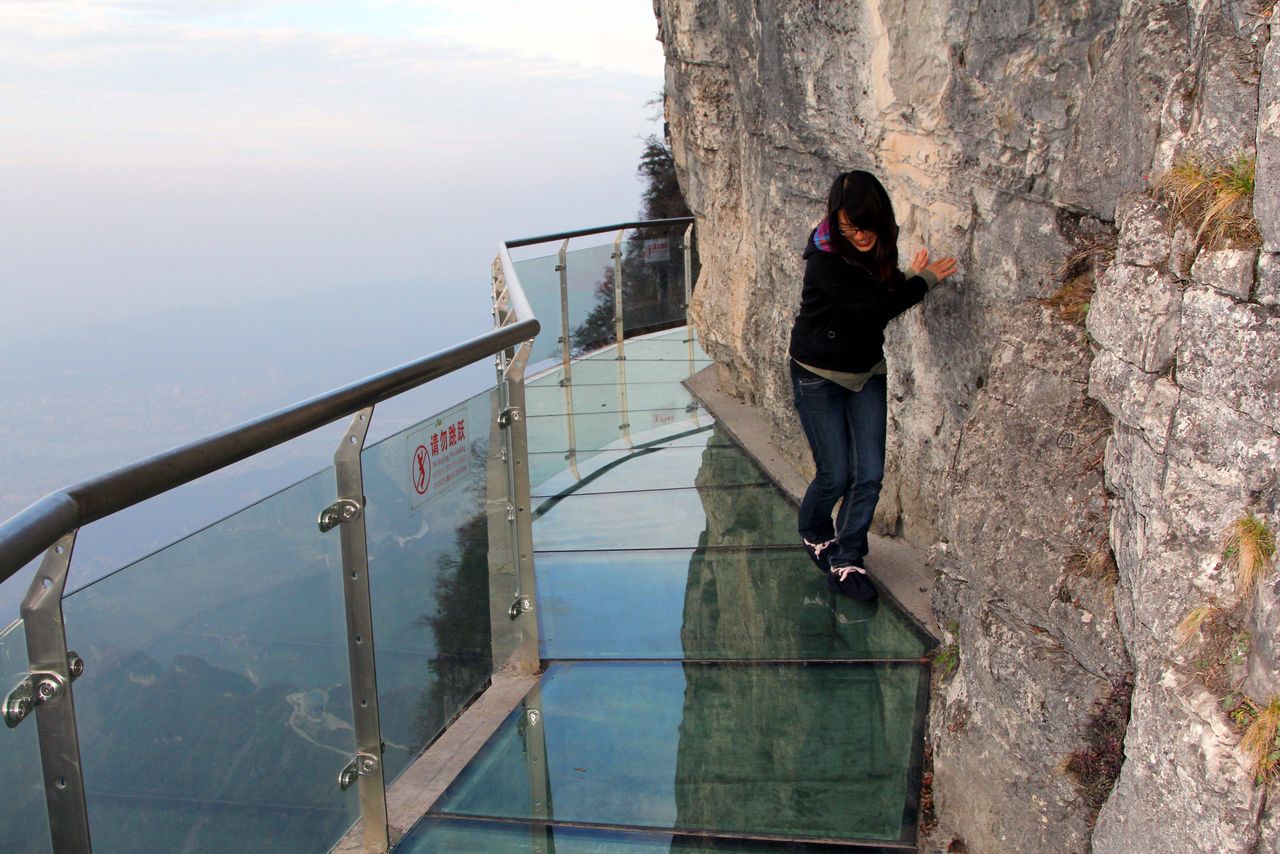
[[822, 236]]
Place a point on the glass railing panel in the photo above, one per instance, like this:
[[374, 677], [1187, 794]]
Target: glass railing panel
[[541, 283], [812, 750], [437, 835], [554, 463], [554, 399], [591, 397], [656, 468], [599, 370], [708, 604], [214, 713], [672, 346], [653, 292], [590, 287], [24, 822], [595, 431], [645, 396], [680, 518], [428, 543]]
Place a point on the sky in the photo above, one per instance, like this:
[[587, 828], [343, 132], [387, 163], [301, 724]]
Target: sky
[[206, 152], [210, 210]]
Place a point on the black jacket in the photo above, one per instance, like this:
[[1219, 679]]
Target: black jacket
[[844, 308]]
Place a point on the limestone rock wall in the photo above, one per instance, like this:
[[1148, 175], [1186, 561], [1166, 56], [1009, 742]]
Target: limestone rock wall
[[1192, 378], [1012, 134]]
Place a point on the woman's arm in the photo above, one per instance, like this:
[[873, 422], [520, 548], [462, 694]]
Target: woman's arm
[[854, 288]]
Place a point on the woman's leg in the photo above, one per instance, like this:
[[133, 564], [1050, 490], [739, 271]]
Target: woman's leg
[[865, 414], [821, 405]]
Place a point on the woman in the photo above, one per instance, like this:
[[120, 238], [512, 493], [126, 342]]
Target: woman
[[852, 289]]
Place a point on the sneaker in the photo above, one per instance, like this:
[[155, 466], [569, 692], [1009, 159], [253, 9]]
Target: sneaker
[[852, 581], [817, 552]]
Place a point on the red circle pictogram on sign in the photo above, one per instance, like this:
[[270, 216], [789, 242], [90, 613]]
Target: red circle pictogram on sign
[[421, 470]]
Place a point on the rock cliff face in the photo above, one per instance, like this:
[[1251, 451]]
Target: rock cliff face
[[1021, 137]]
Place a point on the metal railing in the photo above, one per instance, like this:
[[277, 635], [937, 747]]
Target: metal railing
[[50, 525]]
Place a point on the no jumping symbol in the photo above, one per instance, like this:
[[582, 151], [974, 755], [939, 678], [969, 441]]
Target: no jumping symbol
[[421, 470]]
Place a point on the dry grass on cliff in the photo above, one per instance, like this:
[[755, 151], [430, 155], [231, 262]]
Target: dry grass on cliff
[[1216, 199], [1097, 563], [1249, 547], [1072, 299], [1189, 628], [1224, 644], [1261, 741], [1076, 277]]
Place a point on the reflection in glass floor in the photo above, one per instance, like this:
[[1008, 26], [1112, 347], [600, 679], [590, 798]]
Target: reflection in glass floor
[[704, 689], [439, 835]]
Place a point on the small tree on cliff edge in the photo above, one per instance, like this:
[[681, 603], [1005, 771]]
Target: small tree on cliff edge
[[648, 290], [661, 198]]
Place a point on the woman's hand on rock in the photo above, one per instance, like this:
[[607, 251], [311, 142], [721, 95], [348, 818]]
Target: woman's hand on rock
[[941, 268]]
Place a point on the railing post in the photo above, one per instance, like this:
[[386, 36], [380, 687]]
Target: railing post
[[620, 331], [618, 327], [687, 246], [347, 514], [566, 363], [52, 671], [515, 439], [563, 269]]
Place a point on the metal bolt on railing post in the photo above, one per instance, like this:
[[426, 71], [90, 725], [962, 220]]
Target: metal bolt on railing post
[[52, 671], [347, 514], [535, 754]]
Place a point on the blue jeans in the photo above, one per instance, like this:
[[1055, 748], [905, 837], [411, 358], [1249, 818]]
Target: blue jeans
[[846, 433]]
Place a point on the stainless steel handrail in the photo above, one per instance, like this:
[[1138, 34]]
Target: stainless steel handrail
[[622, 226], [38, 527]]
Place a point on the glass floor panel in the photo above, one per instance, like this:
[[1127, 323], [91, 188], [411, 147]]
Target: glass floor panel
[[797, 750], [437, 835], [678, 518], [655, 468], [699, 604]]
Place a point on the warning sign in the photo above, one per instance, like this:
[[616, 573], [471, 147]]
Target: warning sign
[[657, 251], [438, 455]]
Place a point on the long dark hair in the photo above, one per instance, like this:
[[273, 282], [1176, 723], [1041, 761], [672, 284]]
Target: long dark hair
[[865, 202]]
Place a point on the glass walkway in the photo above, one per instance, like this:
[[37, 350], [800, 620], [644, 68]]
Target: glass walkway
[[258, 685], [703, 689]]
